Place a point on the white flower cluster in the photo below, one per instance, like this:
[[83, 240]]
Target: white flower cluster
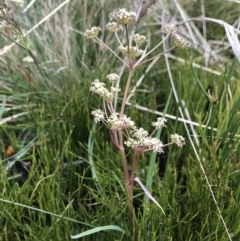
[[137, 139], [131, 52], [139, 39], [118, 123], [114, 27], [98, 115], [159, 123], [28, 59], [92, 33], [112, 77], [177, 139], [170, 28], [124, 17], [99, 88], [142, 142], [179, 41], [115, 122]]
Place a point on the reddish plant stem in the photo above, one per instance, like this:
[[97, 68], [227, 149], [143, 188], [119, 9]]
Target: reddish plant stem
[[126, 176], [136, 158]]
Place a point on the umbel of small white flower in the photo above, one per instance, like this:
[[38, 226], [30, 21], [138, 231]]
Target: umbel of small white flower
[[137, 139], [114, 27], [112, 77], [177, 139], [139, 39], [179, 41], [170, 29], [124, 17], [131, 52], [99, 88], [92, 33], [141, 141]]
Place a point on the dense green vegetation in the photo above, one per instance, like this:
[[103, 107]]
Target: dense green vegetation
[[60, 173]]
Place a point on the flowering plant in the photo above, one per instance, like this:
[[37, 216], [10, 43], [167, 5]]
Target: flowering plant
[[123, 131]]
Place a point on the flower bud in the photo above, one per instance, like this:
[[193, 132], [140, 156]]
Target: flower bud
[[92, 33], [139, 39], [113, 27], [132, 52], [170, 29], [124, 17], [180, 42]]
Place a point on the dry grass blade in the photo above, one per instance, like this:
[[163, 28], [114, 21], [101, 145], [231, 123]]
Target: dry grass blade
[[6, 15], [10, 118], [36, 26], [143, 10], [231, 32]]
